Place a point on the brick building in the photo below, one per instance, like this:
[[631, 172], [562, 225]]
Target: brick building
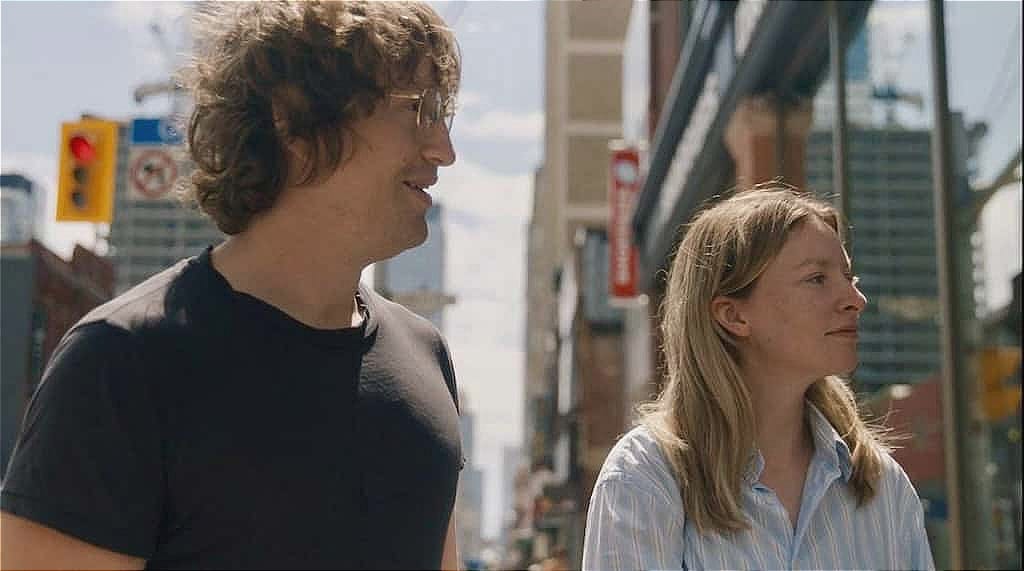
[[43, 295]]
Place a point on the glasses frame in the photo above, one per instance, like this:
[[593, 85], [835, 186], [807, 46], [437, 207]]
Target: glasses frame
[[446, 111]]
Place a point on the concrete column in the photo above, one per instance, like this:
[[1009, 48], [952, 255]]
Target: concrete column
[[764, 132]]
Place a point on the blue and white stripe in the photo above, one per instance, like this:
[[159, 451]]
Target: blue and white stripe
[[636, 518]]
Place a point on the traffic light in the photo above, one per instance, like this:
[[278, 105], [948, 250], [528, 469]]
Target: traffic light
[[995, 366], [88, 161]]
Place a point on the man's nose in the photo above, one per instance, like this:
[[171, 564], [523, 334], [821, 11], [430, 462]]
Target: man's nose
[[438, 148]]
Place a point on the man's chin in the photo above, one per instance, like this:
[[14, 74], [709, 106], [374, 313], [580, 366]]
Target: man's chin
[[419, 239], [410, 242]]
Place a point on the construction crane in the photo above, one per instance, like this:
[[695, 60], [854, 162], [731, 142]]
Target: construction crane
[[166, 86], [889, 92]]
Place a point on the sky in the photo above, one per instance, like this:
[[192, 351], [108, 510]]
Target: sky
[[61, 59]]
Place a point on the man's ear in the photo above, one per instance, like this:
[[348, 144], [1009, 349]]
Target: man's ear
[[728, 313]]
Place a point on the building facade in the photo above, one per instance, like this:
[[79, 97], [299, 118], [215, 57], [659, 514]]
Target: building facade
[[148, 235], [19, 208], [43, 295], [584, 44], [892, 218]]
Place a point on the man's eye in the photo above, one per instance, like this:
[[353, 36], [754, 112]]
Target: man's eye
[[817, 279]]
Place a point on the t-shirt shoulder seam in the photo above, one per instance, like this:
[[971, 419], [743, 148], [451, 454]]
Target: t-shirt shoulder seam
[[139, 296]]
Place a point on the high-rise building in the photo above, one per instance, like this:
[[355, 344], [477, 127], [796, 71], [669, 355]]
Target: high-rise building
[[894, 253], [415, 277], [18, 212], [150, 235]]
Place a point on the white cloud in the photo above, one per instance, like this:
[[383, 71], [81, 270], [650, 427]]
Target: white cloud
[[472, 188], [505, 125], [60, 237]]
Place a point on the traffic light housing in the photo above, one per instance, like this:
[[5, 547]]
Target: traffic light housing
[[88, 163], [996, 365]]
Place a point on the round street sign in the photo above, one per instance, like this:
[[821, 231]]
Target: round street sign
[[153, 173]]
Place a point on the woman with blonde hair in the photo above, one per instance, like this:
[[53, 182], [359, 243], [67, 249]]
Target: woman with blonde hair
[[754, 455]]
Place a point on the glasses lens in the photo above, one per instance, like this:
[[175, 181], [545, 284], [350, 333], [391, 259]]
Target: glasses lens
[[432, 103], [448, 111], [434, 109]]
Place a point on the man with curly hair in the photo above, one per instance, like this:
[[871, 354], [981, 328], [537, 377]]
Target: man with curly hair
[[255, 406]]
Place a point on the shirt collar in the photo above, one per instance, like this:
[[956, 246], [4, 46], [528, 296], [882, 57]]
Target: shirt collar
[[828, 443], [829, 448]]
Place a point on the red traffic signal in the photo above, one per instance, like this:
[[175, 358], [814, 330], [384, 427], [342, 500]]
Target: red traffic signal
[[88, 165], [82, 149]]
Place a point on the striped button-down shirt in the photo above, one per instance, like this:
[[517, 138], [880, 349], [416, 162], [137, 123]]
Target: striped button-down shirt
[[636, 518]]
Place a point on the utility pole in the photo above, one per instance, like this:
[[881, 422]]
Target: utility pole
[[965, 433], [840, 161]]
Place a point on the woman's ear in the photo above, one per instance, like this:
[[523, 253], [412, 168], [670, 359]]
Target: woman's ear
[[728, 313]]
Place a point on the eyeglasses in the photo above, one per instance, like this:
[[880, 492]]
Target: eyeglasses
[[431, 107]]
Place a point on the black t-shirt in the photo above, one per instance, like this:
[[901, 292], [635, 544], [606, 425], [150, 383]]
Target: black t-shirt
[[199, 427]]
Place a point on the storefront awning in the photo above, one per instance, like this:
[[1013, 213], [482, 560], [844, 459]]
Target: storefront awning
[[732, 50]]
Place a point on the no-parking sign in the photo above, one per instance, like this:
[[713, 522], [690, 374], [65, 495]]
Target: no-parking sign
[[153, 166]]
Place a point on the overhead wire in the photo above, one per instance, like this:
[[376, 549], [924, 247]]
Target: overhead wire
[[1006, 80]]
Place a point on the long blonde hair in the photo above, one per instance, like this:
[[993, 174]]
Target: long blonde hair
[[703, 419]]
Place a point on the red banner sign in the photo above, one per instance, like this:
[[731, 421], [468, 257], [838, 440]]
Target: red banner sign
[[623, 187]]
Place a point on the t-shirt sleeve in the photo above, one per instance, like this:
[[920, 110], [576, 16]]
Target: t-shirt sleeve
[[88, 461]]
